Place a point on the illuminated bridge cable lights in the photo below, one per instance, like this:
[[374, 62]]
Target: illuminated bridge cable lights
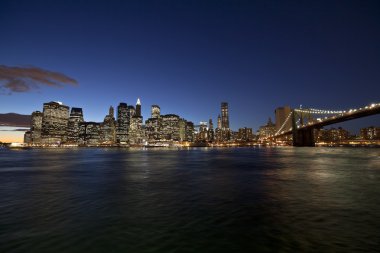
[[318, 111], [283, 124], [316, 123]]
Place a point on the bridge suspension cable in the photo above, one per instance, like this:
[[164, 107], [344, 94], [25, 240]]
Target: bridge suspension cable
[[283, 124], [319, 111]]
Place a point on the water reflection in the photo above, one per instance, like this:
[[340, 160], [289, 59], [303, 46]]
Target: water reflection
[[190, 200]]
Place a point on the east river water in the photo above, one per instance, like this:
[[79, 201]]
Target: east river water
[[190, 200]]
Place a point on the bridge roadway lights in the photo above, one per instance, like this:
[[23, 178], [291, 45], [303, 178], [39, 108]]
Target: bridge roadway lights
[[304, 138]]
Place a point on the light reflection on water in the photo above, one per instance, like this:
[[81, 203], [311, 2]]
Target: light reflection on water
[[191, 200]]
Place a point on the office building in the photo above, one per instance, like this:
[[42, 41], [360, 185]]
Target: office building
[[138, 108], [267, 130], [122, 123], [202, 132], [245, 134], [153, 129], [189, 131], [90, 133], [136, 133], [225, 117], [54, 123], [156, 111], [281, 115], [370, 133], [170, 127], [108, 128], [36, 128], [76, 117], [210, 134]]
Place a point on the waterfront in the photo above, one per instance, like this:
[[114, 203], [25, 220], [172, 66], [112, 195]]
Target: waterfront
[[281, 199]]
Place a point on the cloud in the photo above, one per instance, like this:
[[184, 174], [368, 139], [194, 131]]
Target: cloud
[[24, 79]]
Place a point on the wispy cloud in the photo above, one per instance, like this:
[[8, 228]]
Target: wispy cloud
[[24, 79]]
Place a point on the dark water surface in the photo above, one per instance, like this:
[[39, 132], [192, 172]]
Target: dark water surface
[[196, 200]]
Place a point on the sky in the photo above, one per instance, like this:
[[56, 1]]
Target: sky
[[189, 56]]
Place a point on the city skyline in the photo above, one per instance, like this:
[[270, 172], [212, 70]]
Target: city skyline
[[280, 113], [58, 125], [189, 56]]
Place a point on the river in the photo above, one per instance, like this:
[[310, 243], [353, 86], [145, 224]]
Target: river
[[190, 200]]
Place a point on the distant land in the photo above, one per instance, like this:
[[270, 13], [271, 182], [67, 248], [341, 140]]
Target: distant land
[[14, 119]]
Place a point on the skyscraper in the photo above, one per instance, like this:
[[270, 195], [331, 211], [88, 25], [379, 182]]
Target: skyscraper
[[122, 123], [138, 108], [281, 114], [76, 117], [218, 130], [54, 123], [136, 132], [170, 127], [226, 132], [155, 111], [36, 127], [130, 113], [210, 134], [108, 128], [225, 118], [189, 129]]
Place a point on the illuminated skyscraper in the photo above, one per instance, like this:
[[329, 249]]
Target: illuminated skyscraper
[[203, 131], [90, 133], [182, 129], [76, 117], [219, 122], [225, 118], [226, 132], [170, 127], [136, 133], [130, 113], [108, 128], [122, 124], [36, 127], [155, 111], [282, 114], [54, 123], [210, 134], [245, 134], [218, 130], [189, 129], [138, 108]]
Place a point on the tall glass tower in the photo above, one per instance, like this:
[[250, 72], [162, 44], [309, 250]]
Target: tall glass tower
[[225, 118]]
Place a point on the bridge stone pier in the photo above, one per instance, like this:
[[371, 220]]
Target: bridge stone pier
[[304, 138]]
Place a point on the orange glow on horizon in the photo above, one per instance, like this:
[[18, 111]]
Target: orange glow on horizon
[[12, 136]]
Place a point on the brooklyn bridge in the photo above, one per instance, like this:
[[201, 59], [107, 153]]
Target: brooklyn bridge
[[305, 120]]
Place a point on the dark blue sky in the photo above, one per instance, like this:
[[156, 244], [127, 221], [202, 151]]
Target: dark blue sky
[[188, 56]]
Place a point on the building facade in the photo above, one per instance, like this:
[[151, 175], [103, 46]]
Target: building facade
[[122, 123], [54, 123], [76, 117], [267, 130], [370, 133], [108, 128], [36, 128], [170, 127], [245, 134], [281, 115]]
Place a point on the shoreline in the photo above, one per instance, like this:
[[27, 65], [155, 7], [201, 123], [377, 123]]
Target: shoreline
[[339, 145]]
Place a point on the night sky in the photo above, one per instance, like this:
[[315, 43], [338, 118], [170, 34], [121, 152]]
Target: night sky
[[189, 56]]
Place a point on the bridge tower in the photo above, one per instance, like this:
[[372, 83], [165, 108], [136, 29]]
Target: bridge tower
[[301, 137]]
